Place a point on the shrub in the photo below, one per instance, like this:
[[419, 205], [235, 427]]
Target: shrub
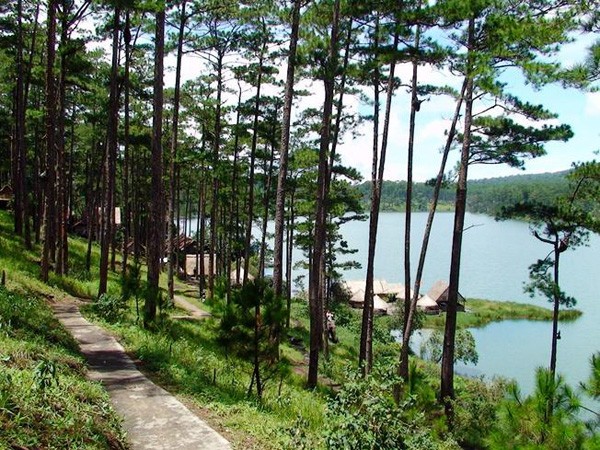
[[110, 307]]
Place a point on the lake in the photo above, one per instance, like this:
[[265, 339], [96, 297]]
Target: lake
[[495, 261]]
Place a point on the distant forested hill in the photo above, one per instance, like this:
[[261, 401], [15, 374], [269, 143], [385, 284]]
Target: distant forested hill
[[484, 196]]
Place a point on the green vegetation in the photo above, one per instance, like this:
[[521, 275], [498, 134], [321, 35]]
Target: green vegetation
[[45, 400], [482, 312], [188, 358], [486, 196]]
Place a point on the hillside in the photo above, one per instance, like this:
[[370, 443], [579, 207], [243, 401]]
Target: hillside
[[485, 196]]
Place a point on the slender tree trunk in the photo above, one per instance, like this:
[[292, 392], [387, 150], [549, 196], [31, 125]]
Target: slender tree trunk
[[215, 178], [107, 210], [250, 217], [61, 204], [447, 376], [288, 258], [265, 218], [49, 179], [317, 269], [414, 107], [284, 152], [156, 223], [36, 209], [555, 310], [174, 145], [20, 157], [407, 331], [234, 205], [365, 356], [202, 271], [126, 148]]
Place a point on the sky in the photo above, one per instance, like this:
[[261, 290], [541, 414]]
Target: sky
[[579, 109]]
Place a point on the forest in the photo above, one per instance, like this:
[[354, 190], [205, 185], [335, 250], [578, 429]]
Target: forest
[[123, 120], [486, 196]]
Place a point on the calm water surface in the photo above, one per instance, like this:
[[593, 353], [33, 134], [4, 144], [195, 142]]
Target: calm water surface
[[495, 259]]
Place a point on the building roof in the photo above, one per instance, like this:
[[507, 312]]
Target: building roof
[[439, 292], [426, 302]]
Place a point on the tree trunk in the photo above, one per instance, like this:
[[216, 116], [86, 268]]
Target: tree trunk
[[284, 152], [407, 331], [61, 203], [156, 230], [250, 218], [447, 376], [49, 179], [20, 153], [174, 145], [555, 310], [107, 210], [265, 218], [215, 178], [366, 355], [288, 258], [126, 147], [317, 269], [414, 107]]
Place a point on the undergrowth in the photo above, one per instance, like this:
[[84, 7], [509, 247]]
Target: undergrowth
[[45, 400]]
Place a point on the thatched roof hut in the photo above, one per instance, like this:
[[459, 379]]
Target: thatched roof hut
[[439, 293], [391, 291], [379, 305], [428, 305]]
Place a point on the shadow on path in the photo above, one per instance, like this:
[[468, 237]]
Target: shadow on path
[[152, 417]]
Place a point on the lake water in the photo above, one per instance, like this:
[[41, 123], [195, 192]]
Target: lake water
[[495, 261]]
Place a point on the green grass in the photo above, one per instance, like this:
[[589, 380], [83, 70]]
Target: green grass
[[45, 400], [482, 312], [185, 357]]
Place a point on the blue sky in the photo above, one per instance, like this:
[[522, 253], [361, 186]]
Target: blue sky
[[579, 109]]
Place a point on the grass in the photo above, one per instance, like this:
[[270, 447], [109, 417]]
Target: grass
[[45, 400], [185, 357], [482, 312]]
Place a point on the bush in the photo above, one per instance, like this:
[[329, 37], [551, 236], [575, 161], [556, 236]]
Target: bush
[[110, 307], [364, 416]]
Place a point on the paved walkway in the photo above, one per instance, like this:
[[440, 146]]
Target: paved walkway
[[153, 418], [195, 313]]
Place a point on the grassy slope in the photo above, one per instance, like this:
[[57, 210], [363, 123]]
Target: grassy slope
[[45, 400], [186, 358]]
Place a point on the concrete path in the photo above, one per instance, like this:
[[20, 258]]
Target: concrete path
[[153, 418], [195, 312]]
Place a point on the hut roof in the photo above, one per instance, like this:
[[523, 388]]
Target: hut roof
[[184, 243], [6, 191], [358, 296], [379, 305], [426, 302], [439, 292], [380, 287]]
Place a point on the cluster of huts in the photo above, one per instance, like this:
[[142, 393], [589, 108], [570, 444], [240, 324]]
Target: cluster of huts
[[386, 295]]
